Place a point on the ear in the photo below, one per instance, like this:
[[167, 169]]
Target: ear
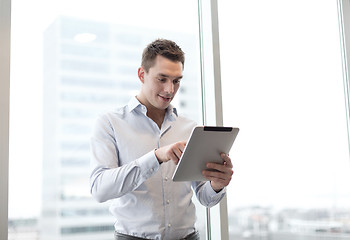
[[141, 74]]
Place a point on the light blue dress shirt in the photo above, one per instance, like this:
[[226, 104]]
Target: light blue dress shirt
[[143, 198]]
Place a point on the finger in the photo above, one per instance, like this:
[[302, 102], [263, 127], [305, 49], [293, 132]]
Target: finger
[[175, 160], [181, 145], [217, 180], [172, 156], [177, 152], [225, 176], [216, 174], [220, 167], [227, 159]]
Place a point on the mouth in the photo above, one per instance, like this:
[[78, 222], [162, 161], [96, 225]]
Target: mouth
[[165, 99]]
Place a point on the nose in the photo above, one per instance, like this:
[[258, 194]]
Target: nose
[[169, 88]]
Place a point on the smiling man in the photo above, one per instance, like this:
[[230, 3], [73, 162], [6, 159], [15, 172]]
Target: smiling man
[[134, 152]]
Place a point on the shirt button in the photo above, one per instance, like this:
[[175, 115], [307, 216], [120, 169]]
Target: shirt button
[[151, 170], [169, 225], [167, 201], [166, 178], [135, 184]]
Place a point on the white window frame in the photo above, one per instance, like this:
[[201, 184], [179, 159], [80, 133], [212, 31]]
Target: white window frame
[[5, 28], [344, 30]]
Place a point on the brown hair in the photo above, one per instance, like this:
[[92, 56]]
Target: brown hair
[[162, 47]]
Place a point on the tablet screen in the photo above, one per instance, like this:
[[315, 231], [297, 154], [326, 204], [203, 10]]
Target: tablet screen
[[205, 145]]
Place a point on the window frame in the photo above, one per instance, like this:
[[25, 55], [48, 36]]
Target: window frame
[[344, 32], [5, 29]]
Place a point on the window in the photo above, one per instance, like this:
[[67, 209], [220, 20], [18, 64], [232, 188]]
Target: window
[[71, 61], [300, 40], [282, 85]]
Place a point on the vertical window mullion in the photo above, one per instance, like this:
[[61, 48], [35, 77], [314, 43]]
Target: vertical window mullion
[[211, 88], [5, 23], [344, 30]]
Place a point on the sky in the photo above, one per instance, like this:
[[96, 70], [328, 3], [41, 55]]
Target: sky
[[282, 85]]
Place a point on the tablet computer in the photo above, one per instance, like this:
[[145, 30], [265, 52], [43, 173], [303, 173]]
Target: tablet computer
[[204, 145]]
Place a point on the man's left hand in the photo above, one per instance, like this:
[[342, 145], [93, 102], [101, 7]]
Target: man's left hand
[[222, 174]]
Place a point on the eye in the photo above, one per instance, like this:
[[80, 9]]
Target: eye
[[176, 81], [162, 79]]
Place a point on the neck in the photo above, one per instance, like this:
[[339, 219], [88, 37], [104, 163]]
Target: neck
[[157, 115]]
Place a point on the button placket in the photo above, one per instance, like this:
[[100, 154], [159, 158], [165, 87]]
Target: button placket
[[166, 188], [167, 199]]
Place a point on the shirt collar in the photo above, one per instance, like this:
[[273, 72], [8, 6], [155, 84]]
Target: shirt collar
[[171, 113], [134, 103]]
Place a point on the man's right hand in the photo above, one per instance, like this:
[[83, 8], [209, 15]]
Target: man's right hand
[[170, 152]]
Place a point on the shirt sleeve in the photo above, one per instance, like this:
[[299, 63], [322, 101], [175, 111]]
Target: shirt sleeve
[[206, 195], [108, 180]]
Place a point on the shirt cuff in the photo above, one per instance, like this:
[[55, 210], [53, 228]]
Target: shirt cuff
[[148, 164], [214, 196]]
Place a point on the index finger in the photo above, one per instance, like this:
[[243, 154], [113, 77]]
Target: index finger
[[181, 145]]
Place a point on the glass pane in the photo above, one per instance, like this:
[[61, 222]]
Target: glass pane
[[71, 61], [282, 86]]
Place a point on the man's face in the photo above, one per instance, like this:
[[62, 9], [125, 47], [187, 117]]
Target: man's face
[[160, 84]]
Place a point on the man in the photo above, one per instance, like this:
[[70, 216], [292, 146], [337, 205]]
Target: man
[[135, 150]]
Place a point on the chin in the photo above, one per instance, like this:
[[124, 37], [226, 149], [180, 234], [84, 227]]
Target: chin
[[163, 106]]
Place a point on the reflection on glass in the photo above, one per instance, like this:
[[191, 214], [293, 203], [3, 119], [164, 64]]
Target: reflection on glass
[[282, 85], [89, 66]]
